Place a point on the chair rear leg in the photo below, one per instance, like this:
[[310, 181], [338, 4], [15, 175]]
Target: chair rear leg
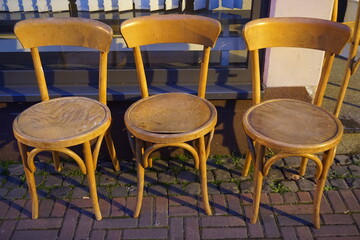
[[30, 179], [91, 179], [304, 162], [247, 164], [112, 151], [203, 175], [139, 149], [258, 178], [327, 160], [56, 159]]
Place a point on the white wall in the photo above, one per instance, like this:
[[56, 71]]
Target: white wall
[[303, 68]]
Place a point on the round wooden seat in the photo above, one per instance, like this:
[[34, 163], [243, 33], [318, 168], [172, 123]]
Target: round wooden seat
[[285, 124], [170, 117], [62, 122]]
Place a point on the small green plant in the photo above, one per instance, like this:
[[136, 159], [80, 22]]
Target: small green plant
[[74, 172], [278, 187], [183, 157], [218, 159], [329, 188], [335, 175]]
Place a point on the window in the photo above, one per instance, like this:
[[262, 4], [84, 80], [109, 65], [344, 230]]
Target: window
[[229, 77]]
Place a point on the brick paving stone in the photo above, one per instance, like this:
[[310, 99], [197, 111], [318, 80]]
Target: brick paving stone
[[35, 234], [246, 198], [192, 189], [61, 192], [350, 200], [16, 193], [295, 219], [219, 204], [337, 219], [290, 197], [13, 182], [176, 189], [177, 211], [114, 234], [182, 200], [130, 206], [45, 207], [325, 206], [224, 233], [213, 189], [97, 234], [254, 230], [105, 206], [176, 227], [276, 198], [40, 223], [69, 224], [339, 238], [186, 176], [304, 233], [336, 202], [15, 209], [222, 221], [288, 233], [161, 211], [222, 175], [119, 191], [145, 233], [339, 183], [304, 197], [295, 209], [157, 190], [269, 223], [247, 186], [147, 212], [116, 223], [81, 203], [118, 207], [3, 192], [26, 210], [83, 229], [6, 229], [336, 230], [191, 228], [229, 188], [234, 207]]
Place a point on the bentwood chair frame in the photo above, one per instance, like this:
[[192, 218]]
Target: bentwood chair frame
[[171, 119], [279, 123], [82, 119]]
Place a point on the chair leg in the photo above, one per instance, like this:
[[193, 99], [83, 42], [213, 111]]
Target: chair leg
[[140, 176], [203, 176], [91, 179], [258, 175], [30, 179], [112, 151], [247, 164], [56, 159], [304, 162], [327, 160]]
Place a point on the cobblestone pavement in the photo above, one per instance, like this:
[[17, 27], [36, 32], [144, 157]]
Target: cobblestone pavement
[[172, 207]]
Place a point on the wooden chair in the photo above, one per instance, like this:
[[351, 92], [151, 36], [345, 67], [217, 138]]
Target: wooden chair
[[292, 127], [54, 125], [171, 119]]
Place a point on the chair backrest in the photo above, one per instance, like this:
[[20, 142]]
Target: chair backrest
[[353, 62], [297, 32], [79, 32], [172, 28]]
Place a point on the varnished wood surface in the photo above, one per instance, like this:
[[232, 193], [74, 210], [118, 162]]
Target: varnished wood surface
[[170, 117], [288, 32], [62, 122], [171, 28], [292, 126], [64, 31]]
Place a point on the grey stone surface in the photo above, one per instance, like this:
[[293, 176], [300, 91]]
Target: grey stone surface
[[247, 186], [73, 180], [342, 170], [192, 189], [213, 189], [80, 192], [61, 192], [210, 176], [157, 190], [338, 183], [342, 160], [151, 177], [228, 187], [222, 175], [160, 165], [166, 177], [176, 189], [16, 193], [275, 174], [53, 180], [354, 183], [120, 191], [292, 161], [15, 169], [291, 185], [186, 176], [306, 185], [127, 178], [355, 170], [107, 179]]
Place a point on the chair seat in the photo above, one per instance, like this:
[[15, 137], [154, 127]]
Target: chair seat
[[292, 125], [170, 117], [62, 122]]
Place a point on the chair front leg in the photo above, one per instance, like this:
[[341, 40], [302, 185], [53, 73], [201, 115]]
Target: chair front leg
[[30, 179], [258, 175], [139, 150], [328, 158], [203, 175], [89, 163]]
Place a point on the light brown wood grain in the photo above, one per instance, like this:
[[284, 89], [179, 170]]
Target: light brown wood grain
[[291, 127], [171, 119], [57, 124]]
